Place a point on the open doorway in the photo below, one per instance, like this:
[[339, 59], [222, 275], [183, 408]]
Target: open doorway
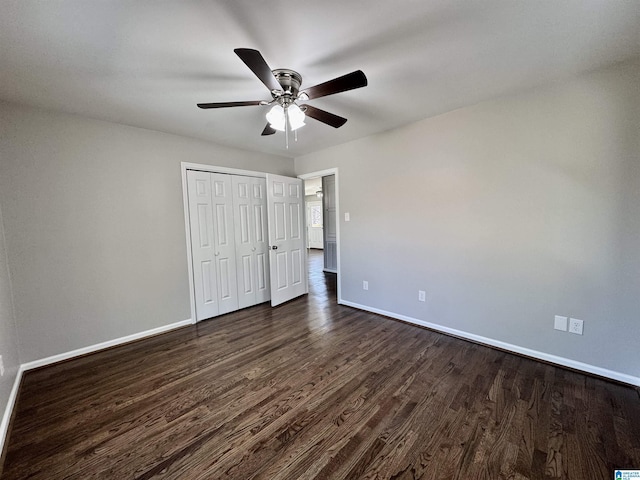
[[313, 195], [321, 210]]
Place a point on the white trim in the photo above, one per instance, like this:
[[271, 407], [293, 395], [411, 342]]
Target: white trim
[[320, 173], [214, 169], [8, 411], [326, 173], [101, 346], [338, 239], [6, 418], [187, 229], [547, 357]]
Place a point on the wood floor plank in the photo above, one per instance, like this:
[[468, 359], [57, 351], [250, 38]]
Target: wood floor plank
[[311, 390]]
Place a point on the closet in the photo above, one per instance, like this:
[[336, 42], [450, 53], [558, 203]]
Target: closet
[[229, 241]]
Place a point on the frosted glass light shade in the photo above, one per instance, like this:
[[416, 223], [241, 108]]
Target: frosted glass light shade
[[275, 117], [296, 116]]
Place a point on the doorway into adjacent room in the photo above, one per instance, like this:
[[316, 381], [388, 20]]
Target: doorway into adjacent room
[[313, 201], [321, 208]]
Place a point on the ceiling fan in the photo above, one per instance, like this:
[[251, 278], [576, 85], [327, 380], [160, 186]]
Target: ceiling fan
[[284, 86]]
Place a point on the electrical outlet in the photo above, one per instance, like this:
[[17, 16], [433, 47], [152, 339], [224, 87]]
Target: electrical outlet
[[560, 323], [1, 367], [347, 217], [422, 296], [365, 285], [575, 326]]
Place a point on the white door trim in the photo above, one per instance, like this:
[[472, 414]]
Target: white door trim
[[324, 173], [184, 166]]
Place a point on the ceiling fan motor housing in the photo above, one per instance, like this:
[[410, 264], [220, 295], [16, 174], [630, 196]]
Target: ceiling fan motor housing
[[290, 82]]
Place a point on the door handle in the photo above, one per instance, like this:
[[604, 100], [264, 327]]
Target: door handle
[[275, 247]]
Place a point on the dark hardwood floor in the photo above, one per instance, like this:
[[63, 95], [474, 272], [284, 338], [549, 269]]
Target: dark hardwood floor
[[313, 390]]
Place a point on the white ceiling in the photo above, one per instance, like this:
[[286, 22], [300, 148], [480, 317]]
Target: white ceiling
[[147, 63]]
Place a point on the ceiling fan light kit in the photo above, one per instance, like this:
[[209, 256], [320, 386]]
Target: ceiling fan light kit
[[284, 85], [279, 117]]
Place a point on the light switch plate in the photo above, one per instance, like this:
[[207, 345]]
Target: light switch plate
[[560, 323]]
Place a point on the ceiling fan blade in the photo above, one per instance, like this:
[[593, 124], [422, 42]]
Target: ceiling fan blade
[[346, 82], [254, 60], [325, 117], [268, 130], [229, 104]]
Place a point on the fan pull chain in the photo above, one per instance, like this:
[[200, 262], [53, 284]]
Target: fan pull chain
[[286, 126]]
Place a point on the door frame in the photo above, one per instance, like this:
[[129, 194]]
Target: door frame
[[325, 173], [184, 166]]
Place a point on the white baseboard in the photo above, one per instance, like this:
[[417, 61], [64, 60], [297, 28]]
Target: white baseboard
[[101, 346], [565, 362], [8, 411]]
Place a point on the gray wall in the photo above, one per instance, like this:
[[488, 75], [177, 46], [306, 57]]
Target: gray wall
[[8, 335], [94, 226], [507, 213]]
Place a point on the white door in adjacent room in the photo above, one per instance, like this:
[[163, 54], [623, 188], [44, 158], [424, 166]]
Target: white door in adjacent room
[[314, 224]]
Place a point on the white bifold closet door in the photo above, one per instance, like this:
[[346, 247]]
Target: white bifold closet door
[[252, 246], [212, 243], [247, 241]]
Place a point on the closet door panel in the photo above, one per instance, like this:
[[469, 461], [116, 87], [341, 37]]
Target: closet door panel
[[202, 244], [261, 240], [245, 278], [225, 249], [244, 232], [262, 276]]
